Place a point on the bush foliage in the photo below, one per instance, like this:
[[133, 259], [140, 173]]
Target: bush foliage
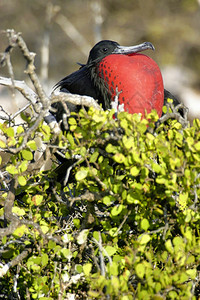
[[125, 226]]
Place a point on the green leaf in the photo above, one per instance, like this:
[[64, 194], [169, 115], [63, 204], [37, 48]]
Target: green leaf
[[178, 241], [18, 211], [144, 239], [156, 168], [10, 132], [107, 200], [96, 235], [51, 245], [133, 198], [70, 139], [23, 166], [20, 129], [144, 224], [37, 200], [128, 142], [79, 268], [134, 171], [188, 233], [27, 154], [21, 180], [20, 231], [113, 270], [32, 145], [113, 231], [140, 270], [111, 149], [45, 259], [182, 199], [83, 151], [119, 158], [72, 121], [80, 175], [12, 169], [87, 269], [197, 146], [44, 227], [110, 250], [164, 109], [192, 273], [76, 222], [94, 157], [116, 210], [66, 253], [2, 144], [172, 295], [169, 246]]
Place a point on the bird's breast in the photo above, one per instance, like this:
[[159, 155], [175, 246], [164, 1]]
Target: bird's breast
[[134, 81]]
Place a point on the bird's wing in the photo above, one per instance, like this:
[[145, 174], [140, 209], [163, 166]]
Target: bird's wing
[[79, 82]]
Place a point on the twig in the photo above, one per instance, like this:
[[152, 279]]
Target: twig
[[175, 114], [86, 196], [43, 235], [68, 172], [17, 40], [74, 99], [101, 249], [14, 262], [23, 88], [33, 98], [122, 223]]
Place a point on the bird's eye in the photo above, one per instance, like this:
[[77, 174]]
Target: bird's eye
[[105, 50]]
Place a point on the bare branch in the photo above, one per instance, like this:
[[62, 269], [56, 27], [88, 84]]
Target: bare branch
[[14, 262], [17, 40], [33, 98], [101, 249], [175, 114], [22, 87], [74, 99]]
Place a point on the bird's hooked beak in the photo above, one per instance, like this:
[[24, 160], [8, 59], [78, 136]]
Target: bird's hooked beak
[[133, 49]]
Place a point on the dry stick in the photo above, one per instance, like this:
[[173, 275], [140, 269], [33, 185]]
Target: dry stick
[[74, 99], [14, 262], [23, 88], [16, 40], [30, 70], [33, 98], [176, 115], [101, 250]]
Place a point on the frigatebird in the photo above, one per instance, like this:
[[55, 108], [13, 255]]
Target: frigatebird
[[117, 73]]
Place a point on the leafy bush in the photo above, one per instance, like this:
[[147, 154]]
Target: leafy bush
[[118, 219], [126, 225]]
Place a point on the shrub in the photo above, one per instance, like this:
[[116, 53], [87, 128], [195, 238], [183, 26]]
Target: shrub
[[124, 225]]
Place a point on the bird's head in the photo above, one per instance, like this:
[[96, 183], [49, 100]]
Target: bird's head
[[107, 47]]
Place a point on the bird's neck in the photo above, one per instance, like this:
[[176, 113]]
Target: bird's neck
[[103, 92]]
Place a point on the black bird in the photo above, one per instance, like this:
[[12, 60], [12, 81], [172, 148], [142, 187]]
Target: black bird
[[110, 66]]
